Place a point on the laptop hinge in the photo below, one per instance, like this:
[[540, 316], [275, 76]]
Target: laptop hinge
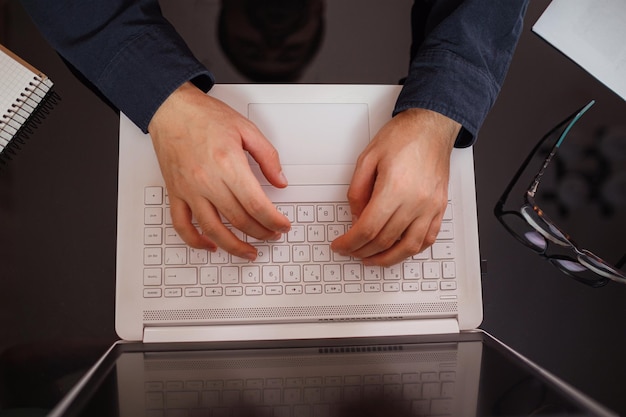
[[287, 331]]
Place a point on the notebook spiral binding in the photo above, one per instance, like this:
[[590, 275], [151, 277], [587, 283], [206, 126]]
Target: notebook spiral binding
[[24, 116]]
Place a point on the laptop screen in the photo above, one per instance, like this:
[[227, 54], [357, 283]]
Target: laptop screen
[[467, 374]]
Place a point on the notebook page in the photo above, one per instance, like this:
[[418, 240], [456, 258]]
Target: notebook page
[[14, 78]]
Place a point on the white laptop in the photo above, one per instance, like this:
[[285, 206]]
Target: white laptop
[[303, 341], [297, 288]]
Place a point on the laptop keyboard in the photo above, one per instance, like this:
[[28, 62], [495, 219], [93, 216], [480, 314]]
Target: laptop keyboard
[[300, 262]]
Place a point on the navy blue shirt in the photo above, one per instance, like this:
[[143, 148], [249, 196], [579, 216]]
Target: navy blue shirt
[[460, 53]]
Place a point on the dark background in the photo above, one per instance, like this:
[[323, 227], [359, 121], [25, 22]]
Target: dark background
[[58, 210]]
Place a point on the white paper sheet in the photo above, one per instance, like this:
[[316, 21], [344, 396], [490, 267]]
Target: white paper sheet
[[592, 33]]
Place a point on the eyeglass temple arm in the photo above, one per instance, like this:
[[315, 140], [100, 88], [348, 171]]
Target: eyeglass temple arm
[[570, 121], [522, 167]]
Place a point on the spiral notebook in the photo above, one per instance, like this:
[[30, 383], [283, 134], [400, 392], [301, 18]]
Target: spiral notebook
[[26, 96]]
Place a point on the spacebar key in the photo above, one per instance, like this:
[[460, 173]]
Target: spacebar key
[[181, 276]]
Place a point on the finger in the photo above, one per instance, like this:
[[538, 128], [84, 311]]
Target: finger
[[391, 233], [368, 226], [211, 225], [361, 185], [414, 241], [251, 210], [182, 222], [264, 153], [236, 214]]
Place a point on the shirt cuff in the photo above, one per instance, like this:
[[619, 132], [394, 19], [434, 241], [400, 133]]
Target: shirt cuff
[[442, 81], [147, 70]]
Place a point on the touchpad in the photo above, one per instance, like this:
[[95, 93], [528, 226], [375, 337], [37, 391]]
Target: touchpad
[[318, 143]]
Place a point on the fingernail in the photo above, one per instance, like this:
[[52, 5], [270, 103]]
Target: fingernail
[[251, 256], [283, 178], [354, 218]]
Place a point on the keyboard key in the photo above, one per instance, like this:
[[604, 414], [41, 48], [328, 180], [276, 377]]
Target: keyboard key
[[230, 275], [152, 256], [313, 289], [316, 233], [432, 270], [181, 276], [152, 293], [281, 254], [343, 213], [271, 274], [332, 273], [449, 269], [193, 292], [352, 272], [335, 230], [173, 292], [412, 270], [325, 213], [321, 253], [443, 250], [274, 290], [153, 215], [153, 195], [301, 253], [172, 237], [296, 234], [312, 273], [305, 214], [250, 275], [352, 288], [291, 274], [372, 273], [213, 291], [152, 236], [175, 256], [288, 211], [152, 276], [233, 291], [198, 256], [293, 289], [209, 275], [447, 285]]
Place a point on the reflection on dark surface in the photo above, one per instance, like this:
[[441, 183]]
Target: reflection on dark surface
[[466, 378], [271, 40]]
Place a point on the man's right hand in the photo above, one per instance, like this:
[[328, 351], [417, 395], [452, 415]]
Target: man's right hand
[[200, 143]]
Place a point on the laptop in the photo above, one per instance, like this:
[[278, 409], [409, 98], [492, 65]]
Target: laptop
[[210, 347], [297, 288]]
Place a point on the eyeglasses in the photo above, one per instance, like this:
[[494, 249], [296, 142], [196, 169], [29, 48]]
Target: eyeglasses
[[535, 230]]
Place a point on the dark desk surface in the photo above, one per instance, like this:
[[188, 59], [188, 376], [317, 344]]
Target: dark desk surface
[[58, 213]]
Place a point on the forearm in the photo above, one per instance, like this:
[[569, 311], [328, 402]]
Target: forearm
[[460, 61], [126, 49]]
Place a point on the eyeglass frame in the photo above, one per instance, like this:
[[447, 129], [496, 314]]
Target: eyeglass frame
[[611, 272]]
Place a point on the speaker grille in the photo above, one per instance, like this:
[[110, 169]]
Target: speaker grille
[[322, 313]]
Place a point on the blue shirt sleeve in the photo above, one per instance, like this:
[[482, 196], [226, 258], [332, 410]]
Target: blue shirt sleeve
[[126, 48], [460, 54]]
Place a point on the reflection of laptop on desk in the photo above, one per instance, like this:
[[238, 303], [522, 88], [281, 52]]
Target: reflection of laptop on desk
[[466, 374], [297, 288]]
